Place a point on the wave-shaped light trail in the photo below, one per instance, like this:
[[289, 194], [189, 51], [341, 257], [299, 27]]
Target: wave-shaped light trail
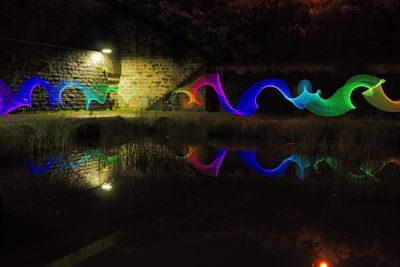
[[303, 165], [338, 104], [10, 101]]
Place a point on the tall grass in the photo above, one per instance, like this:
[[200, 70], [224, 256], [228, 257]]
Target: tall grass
[[344, 135]]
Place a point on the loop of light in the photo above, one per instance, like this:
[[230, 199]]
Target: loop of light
[[338, 104], [10, 101]]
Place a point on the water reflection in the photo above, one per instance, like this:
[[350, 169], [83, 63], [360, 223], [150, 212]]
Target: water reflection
[[210, 169], [59, 162], [304, 165], [45, 176], [158, 189]]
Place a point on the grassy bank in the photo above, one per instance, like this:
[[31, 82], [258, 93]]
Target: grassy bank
[[20, 135]]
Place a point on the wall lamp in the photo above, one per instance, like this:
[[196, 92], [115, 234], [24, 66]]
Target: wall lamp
[[106, 51]]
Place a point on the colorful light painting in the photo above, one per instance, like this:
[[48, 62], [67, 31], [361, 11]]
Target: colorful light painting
[[338, 104], [97, 92], [10, 101]]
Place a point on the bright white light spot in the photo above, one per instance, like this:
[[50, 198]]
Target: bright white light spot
[[323, 264], [108, 187], [106, 51], [96, 57]]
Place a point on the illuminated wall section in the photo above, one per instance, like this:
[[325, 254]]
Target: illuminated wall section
[[152, 65], [10, 101], [80, 68]]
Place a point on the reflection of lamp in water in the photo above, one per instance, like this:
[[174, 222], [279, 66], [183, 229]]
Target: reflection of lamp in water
[[108, 187]]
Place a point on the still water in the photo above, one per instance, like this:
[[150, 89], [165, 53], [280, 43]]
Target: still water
[[197, 205]]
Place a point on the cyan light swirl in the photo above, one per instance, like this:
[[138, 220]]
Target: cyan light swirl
[[97, 92], [10, 101], [338, 104]]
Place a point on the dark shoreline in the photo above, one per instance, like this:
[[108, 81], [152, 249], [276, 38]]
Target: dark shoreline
[[22, 134]]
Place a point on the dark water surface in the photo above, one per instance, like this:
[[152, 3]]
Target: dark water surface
[[158, 202]]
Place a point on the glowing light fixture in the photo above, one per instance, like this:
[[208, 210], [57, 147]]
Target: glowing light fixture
[[338, 104], [106, 51], [323, 264], [106, 186]]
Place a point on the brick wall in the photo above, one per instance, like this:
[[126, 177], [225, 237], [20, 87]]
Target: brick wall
[[78, 24], [21, 61], [151, 66], [145, 65]]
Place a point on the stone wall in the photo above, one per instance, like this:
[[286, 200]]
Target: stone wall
[[56, 40], [152, 65], [40, 37], [54, 64]]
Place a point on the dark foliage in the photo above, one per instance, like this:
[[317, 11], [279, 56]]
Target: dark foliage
[[260, 30]]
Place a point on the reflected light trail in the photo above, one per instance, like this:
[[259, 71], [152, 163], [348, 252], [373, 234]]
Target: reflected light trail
[[249, 159], [208, 170], [303, 165], [59, 162]]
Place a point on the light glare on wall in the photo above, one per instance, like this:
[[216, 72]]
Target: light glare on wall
[[106, 51], [96, 58]]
